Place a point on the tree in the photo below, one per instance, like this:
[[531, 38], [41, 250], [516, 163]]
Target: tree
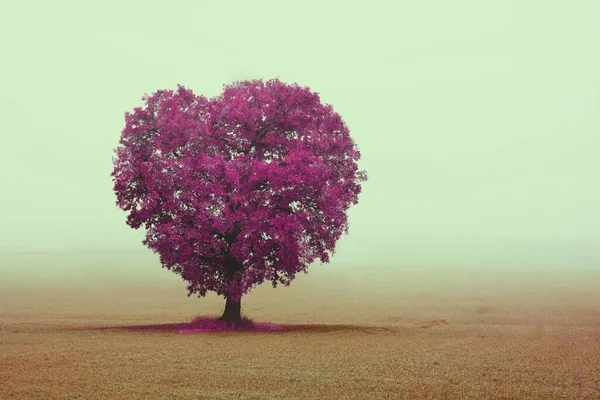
[[251, 185]]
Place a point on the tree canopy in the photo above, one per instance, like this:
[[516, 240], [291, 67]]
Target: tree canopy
[[249, 186]]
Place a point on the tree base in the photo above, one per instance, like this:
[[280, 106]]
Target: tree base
[[230, 324], [233, 313]]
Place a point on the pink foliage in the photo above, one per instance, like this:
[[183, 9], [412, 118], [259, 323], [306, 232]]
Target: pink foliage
[[207, 324], [260, 177]]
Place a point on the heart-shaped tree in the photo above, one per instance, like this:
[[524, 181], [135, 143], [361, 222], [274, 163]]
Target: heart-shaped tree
[[251, 185]]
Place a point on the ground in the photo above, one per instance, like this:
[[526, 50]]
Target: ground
[[414, 332]]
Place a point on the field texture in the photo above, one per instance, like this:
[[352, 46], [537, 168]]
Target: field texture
[[407, 333]]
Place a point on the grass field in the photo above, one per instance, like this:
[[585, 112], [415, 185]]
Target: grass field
[[414, 333]]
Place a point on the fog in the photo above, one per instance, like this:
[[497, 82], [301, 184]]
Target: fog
[[477, 123]]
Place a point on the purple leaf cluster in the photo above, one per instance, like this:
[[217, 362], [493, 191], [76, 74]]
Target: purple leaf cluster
[[248, 186]]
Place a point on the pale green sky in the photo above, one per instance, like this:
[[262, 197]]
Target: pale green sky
[[477, 121]]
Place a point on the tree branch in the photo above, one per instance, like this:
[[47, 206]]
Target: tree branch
[[278, 207], [230, 238]]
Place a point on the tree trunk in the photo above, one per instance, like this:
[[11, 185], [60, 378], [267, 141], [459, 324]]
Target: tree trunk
[[233, 312]]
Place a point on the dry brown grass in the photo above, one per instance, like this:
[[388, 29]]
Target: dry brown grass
[[419, 334]]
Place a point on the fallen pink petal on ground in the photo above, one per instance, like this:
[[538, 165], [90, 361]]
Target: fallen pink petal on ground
[[207, 324]]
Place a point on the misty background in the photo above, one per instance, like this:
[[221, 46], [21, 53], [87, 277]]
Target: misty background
[[478, 123]]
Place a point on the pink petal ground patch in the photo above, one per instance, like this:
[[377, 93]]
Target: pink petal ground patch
[[208, 324]]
